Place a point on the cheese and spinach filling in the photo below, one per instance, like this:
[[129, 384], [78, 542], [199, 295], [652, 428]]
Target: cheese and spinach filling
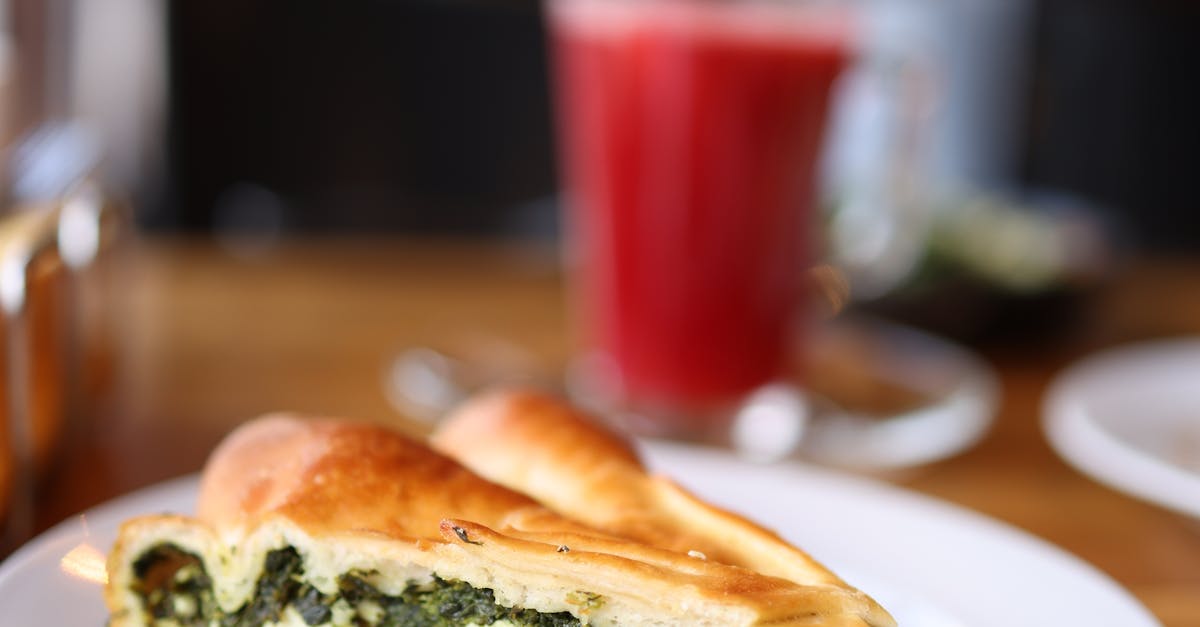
[[175, 589]]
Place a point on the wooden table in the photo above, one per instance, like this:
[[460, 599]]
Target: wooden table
[[211, 335]]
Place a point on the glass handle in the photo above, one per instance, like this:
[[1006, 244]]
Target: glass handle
[[875, 174]]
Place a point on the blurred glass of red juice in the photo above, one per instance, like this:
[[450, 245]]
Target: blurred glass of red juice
[[689, 133]]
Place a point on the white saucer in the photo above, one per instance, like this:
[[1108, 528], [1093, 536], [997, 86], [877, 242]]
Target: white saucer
[[1130, 417]]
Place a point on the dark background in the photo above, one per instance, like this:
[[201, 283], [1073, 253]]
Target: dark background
[[428, 116], [1114, 113], [434, 116]]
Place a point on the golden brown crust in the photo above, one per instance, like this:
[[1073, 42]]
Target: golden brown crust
[[544, 447], [330, 476], [353, 496]]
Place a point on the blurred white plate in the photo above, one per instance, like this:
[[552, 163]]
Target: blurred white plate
[[930, 563], [1130, 417]]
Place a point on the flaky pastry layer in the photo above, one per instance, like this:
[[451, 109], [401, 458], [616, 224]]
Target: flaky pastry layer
[[542, 446]]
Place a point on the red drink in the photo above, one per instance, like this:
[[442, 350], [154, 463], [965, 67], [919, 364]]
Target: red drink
[[690, 131]]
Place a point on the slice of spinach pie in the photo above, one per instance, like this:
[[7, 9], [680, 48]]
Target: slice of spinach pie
[[571, 462], [328, 522]]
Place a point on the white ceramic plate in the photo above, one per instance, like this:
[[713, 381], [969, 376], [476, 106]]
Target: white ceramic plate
[[931, 564], [1130, 417]]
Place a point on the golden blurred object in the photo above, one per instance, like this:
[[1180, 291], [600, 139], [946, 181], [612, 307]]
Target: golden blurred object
[[7, 461], [30, 299], [33, 294], [55, 339], [46, 354]]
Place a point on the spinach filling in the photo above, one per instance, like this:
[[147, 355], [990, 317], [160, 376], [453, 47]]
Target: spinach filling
[[441, 602], [174, 586]]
